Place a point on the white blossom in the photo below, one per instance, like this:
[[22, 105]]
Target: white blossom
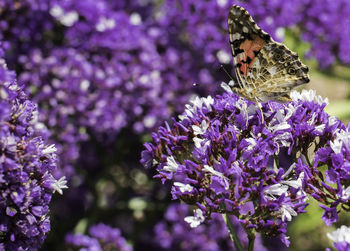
[[346, 193], [336, 145], [279, 33], [320, 128], [183, 187], [226, 87], [281, 126], [60, 184], [342, 139], [49, 149], [171, 166], [199, 130], [252, 143], [195, 220], [307, 95], [212, 171], [340, 235], [105, 24], [65, 18], [135, 19], [223, 57], [198, 142], [286, 212], [208, 101], [332, 120], [222, 3], [276, 189], [295, 183], [84, 85]]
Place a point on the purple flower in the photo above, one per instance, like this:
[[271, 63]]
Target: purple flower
[[26, 168], [103, 237], [217, 154], [330, 215]]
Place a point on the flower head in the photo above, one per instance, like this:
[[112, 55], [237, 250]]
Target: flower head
[[229, 158], [26, 167]]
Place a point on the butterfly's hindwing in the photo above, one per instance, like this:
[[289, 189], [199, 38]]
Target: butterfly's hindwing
[[264, 68]]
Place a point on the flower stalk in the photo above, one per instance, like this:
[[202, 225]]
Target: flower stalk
[[232, 232]]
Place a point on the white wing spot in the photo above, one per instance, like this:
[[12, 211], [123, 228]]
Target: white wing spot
[[272, 70], [236, 36], [256, 63], [240, 56], [250, 75], [245, 29]]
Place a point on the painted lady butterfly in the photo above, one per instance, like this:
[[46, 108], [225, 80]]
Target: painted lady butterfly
[[265, 69]]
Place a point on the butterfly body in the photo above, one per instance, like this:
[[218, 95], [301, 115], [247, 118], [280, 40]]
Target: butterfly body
[[265, 69]]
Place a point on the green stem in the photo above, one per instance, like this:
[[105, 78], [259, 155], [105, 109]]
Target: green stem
[[251, 238], [233, 233]]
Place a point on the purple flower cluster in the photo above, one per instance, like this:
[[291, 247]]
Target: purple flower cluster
[[174, 233], [103, 70], [103, 237], [223, 155], [94, 70], [327, 33], [333, 189], [26, 166]]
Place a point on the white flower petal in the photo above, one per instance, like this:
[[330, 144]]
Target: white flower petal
[[346, 193], [287, 212], [195, 220], [336, 145], [226, 87], [183, 187], [307, 95], [49, 149], [276, 189], [295, 183], [340, 235], [199, 130], [171, 166], [59, 185]]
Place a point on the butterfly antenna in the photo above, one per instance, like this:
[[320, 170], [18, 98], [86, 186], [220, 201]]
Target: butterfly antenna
[[223, 68]]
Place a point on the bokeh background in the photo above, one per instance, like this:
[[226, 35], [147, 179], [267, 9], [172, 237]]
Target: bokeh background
[[106, 73]]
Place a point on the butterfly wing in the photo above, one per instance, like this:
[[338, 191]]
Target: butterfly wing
[[265, 69]]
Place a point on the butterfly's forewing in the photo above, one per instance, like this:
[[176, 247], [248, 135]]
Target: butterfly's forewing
[[264, 68]]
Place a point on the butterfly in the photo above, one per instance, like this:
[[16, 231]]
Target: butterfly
[[265, 69]]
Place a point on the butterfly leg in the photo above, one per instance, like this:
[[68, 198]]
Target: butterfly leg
[[260, 108]]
